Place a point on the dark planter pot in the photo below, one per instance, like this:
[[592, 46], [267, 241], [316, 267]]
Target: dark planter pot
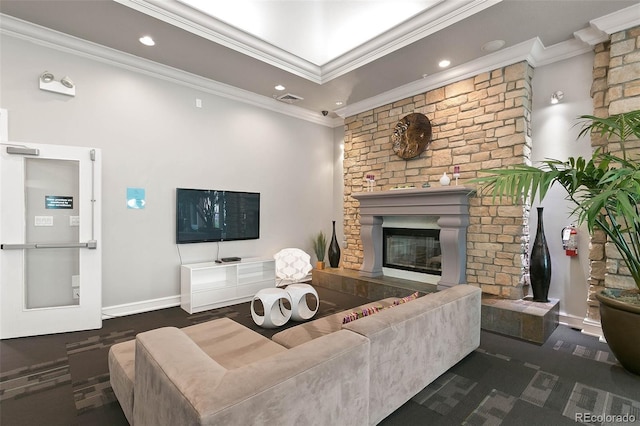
[[621, 327]]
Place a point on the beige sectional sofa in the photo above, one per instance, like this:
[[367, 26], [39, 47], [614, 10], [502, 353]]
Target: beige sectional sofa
[[224, 340], [321, 372]]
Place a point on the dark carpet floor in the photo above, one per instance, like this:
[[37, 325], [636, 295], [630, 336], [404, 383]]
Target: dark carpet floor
[[63, 379], [571, 379]]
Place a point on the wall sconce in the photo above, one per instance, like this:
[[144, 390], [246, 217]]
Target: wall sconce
[[65, 86], [556, 97]]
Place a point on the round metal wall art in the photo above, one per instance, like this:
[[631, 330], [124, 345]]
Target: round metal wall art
[[411, 135]]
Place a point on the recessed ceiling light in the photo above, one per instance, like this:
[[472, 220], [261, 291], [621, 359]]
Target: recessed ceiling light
[[493, 45], [338, 103], [280, 87], [147, 41], [444, 63]]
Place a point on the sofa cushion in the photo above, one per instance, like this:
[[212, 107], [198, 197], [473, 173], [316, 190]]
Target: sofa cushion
[[121, 375], [229, 343], [305, 332], [168, 361]]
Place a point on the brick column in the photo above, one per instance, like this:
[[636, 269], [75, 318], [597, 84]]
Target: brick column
[[615, 89]]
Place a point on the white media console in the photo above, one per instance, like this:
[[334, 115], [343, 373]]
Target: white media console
[[213, 285]]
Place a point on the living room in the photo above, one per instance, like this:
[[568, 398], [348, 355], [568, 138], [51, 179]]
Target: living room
[[153, 136], [160, 129]]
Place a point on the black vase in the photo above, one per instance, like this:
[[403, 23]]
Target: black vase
[[540, 264], [334, 249]]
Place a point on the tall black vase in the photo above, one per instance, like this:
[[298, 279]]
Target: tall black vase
[[334, 249], [540, 264]]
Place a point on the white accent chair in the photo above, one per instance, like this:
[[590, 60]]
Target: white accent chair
[[292, 266]]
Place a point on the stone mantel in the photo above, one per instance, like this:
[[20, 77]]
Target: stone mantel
[[450, 204]]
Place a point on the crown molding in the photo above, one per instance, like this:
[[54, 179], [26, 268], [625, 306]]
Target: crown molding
[[558, 52], [628, 17], [63, 42], [197, 23], [591, 35], [441, 15], [532, 51], [601, 28], [429, 22]]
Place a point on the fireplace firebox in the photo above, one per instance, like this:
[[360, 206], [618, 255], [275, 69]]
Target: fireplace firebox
[[416, 250]]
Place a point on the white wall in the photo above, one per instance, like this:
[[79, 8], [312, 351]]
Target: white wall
[[338, 185], [152, 136], [554, 135]]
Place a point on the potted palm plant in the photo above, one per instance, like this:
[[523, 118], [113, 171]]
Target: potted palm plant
[[605, 191], [320, 248]]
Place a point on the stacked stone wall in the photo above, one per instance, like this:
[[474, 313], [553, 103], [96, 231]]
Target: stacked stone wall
[[615, 89], [478, 123]]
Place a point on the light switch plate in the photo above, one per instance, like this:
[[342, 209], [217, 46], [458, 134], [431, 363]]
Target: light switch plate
[[43, 221]]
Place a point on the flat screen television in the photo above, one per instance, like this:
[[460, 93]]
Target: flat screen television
[[204, 215]]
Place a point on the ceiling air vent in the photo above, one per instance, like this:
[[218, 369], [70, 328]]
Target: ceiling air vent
[[289, 98]]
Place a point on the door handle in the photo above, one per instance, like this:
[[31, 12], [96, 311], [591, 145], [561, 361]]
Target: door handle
[[92, 244]]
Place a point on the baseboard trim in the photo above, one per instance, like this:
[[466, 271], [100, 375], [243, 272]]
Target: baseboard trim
[[585, 325], [592, 328], [140, 307], [571, 321]]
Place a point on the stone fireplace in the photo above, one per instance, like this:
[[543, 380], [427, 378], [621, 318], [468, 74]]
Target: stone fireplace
[[450, 204], [478, 123]]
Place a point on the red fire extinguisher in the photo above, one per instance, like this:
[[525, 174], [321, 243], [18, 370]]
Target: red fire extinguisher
[[570, 240]]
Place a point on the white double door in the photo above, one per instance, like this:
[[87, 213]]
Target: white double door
[[51, 254]]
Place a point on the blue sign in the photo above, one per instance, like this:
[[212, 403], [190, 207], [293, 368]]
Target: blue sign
[[135, 198]]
